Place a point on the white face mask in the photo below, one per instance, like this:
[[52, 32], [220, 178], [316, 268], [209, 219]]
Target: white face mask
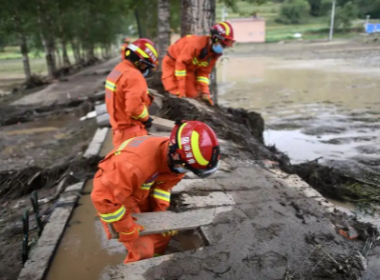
[[180, 169]]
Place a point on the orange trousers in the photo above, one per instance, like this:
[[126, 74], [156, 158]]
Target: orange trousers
[[144, 247], [170, 82], [119, 136]]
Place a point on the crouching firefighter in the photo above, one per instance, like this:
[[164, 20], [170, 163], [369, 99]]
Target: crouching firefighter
[[188, 63], [127, 97], [138, 176]]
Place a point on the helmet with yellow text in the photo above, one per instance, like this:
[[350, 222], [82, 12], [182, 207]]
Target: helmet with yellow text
[[197, 147], [142, 51], [224, 33]]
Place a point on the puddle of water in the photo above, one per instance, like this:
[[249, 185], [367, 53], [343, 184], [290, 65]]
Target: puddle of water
[[31, 130], [84, 250]]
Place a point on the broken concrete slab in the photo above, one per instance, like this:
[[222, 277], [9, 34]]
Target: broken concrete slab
[[75, 188], [156, 222], [196, 184], [96, 143], [135, 271], [208, 200]]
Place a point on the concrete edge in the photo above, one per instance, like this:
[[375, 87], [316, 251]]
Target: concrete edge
[[96, 142], [40, 257]]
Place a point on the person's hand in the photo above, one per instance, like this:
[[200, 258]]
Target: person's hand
[[148, 123], [207, 98], [169, 233]]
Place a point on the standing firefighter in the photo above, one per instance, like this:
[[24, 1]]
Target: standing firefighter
[[124, 47], [188, 63], [127, 96], [138, 176]]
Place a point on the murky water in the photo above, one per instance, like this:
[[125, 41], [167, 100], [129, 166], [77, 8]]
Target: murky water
[[312, 108], [84, 250]]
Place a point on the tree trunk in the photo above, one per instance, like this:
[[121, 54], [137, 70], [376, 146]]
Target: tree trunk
[[25, 56], [197, 17], [47, 44], [59, 58], [66, 60], [75, 48], [163, 32]]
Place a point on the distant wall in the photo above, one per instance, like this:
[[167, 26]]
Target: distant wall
[[248, 30]]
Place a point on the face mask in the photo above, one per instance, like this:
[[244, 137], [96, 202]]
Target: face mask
[[217, 48], [180, 169], [146, 72]]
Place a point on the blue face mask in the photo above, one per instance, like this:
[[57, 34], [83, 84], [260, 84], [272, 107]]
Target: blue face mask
[[217, 48], [146, 72], [180, 169]]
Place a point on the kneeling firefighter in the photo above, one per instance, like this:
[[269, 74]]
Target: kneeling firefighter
[[188, 63], [138, 176], [127, 97]]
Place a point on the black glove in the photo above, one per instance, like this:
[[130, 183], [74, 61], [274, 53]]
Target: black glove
[[148, 123]]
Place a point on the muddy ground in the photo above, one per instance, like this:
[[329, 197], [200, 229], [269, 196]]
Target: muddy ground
[[47, 140]]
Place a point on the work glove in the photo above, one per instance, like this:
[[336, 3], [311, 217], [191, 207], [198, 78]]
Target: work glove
[[148, 123], [207, 98], [130, 234], [169, 233]]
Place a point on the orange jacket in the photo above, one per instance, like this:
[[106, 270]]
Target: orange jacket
[[136, 171], [192, 54], [123, 49], [127, 97]]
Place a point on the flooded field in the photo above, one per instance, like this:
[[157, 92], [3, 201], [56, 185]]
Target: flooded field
[[327, 109]]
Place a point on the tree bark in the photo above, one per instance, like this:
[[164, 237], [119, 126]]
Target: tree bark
[[23, 47], [59, 58], [66, 60], [76, 52], [46, 42], [163, 32]]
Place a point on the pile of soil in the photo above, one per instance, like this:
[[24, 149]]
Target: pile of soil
[[242, 127]]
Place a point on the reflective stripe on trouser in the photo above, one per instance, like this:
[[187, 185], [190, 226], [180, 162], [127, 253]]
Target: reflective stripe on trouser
[[123, 135]]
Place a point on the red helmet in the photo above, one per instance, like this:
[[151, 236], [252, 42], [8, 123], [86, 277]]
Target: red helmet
[[145, 50], [224, 32], [197, 146]]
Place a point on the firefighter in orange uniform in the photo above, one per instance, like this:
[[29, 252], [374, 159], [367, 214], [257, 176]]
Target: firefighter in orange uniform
[[188, 63], [124, 47], [127, 96], [138, 176]]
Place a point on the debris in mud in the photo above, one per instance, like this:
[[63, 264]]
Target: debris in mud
[[16, 183], [335, 184]]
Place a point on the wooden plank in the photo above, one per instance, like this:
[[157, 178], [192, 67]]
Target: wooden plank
[[96, 143], [211, 199], [162, 124], [103, 120], [156, 222], [217, 175]]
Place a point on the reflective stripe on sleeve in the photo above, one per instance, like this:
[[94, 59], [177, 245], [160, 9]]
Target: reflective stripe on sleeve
[[147, 186], [110, 85], [113, 217], [162, 195], [142, 115]]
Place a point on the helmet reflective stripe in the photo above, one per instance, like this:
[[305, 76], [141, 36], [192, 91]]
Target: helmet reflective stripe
[[152, 49], [137, 49], [196, 149], [226, 27], [179, 136]]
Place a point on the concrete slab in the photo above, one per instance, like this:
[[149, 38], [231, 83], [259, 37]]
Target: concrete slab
[[156, 222], [75, 188], [211, 199], [196, 184], [96, 143]]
